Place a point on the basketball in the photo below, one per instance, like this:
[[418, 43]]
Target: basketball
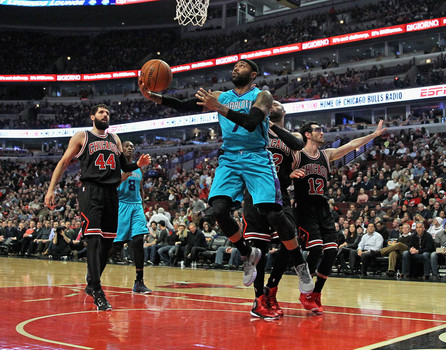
[[156, 75]]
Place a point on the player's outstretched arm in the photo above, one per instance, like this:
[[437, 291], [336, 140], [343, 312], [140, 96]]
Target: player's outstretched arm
[[249, 121], [74, 147], [186, 105], [294, 141], [336, 153]]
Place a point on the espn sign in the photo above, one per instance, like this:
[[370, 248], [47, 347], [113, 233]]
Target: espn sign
[[433, 91]]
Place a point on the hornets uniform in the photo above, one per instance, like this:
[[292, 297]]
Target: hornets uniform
[[316, 225], [100, 175], [131, 219], [245, 163]]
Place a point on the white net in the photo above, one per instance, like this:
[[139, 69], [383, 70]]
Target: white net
[[191, 12]]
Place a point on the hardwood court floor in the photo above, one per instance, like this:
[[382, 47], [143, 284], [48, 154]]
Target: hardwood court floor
[[43, 306]]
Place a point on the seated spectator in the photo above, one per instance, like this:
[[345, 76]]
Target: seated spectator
[[163, 252], [196, 242], [436, 227], [161, 241], [438, 256], [421, 246], [42, 240], [27, 238], [176, 253], [362, 197], [150, 239], [395, 231], [208, 231], [396, 249], [370, 243], [352, 239], [234, 256]]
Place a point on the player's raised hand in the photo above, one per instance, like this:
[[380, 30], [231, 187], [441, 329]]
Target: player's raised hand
[[208, 99], [298, 173], [144, 160], [146, 93], [379, 129]]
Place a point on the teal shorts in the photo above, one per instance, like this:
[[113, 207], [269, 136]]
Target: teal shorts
[[131, 222], [254, 171]]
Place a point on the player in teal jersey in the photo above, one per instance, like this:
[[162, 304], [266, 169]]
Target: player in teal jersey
[[131, 218], [245, 163]]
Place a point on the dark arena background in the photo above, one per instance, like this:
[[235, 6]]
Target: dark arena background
[[343, 64]]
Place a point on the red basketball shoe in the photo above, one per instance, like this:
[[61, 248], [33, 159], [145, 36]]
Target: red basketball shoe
[[261, 309], [272, 301], [317, 300], [308, 302]]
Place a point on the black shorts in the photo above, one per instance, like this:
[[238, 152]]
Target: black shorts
[[255, 224], [99, 209], [316, 225]]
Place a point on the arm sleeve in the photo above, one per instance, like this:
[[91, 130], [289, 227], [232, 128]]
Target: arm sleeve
[[181, 105], [247, 121], [126, 167], [294, 143]]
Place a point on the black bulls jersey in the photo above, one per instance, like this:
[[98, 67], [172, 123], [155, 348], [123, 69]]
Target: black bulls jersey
[[283, 160], [314, 184], [99, 158]]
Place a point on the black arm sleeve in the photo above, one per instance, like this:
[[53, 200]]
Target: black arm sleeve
[[247, 121], [126, 167], [294, 143], [182, 105]]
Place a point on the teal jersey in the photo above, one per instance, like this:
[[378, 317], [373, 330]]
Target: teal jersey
[[235, 137], [129, 190]]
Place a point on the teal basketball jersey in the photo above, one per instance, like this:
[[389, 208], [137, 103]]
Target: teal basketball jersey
[[235, 137], [129, 190]]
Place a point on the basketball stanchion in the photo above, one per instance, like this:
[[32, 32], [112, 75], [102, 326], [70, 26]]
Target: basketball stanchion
[[191, 12]]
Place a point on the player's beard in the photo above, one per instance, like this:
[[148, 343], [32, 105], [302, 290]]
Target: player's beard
[[100, 125], [275, 116], [241, 80]]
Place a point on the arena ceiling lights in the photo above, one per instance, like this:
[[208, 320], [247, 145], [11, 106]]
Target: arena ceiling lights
[[53, 3]]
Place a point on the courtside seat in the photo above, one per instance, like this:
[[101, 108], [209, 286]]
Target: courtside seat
[[208, 256]]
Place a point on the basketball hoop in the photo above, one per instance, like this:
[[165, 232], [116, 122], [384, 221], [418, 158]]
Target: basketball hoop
[[192, 11]]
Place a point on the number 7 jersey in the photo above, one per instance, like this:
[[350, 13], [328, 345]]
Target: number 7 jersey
[[313, 185], [99, 158]]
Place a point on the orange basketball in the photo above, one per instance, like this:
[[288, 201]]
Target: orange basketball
[[156, 75]]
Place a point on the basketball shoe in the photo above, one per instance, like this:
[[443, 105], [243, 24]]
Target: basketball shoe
[[306, 284], [317, 300], [249, 266], [101, 301], [261, 309], [140, 287], [308, 301], [271, 300], [88, 290]]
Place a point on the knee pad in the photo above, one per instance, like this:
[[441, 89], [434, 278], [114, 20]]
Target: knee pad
[[138, 240], [327, 261], [221, 208]]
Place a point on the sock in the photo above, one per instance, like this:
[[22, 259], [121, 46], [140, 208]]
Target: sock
[[139, 275], [260, 279], [242, 247], [320, 281], [296, 256], [279, 267]]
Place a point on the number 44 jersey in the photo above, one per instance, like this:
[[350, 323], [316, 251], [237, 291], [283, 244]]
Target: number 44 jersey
[[99, 158]]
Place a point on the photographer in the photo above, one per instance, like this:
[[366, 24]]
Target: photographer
[[60, 245]]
